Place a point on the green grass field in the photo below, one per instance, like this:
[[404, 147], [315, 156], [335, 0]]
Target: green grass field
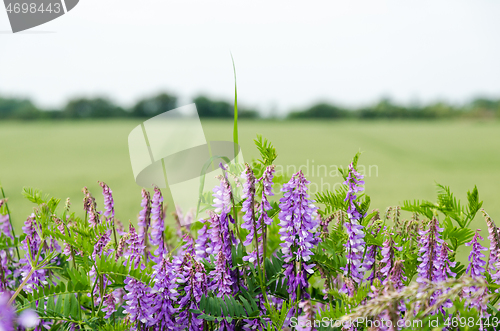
[[405, 158]]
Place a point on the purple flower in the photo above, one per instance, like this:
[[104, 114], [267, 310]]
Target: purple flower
[[29, 319], [194, 279], [249, 221], [135, 247], [298, 224], [90, 206], [370, 261], [430, 243], [101, 244], [157, 223], [355, 245], [396, 276], [144, 215], [5, 225], [494, 237], [109, 204], [166, 295], [201, 243], [31, 245], [306, 321], [7, 313], [267, 185], [219, 235], [109, 305], [476, 265], [138, 301], [388, 251], [222, 281]]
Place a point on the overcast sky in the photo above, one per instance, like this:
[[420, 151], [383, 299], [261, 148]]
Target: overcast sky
[[288, 53]]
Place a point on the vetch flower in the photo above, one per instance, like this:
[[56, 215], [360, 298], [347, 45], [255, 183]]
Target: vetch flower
[[165, 296], [476, 265], [101, 243], [138, 301], [201, 243], [157, 223], [388, 251], [29, 319], [222, 281], [355, 245], [193, 277], [298, 224], [109, 204], [135, 247], [90, 206], [144, 215], [7, 313], [430, 247], [248, 206], [109, 305]]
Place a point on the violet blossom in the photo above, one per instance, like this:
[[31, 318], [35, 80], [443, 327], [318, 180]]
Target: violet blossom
[[298, 224], [90, 207], [193, 277], [157, 223], [166, 295], [249, 219], [109, 305], [109, 204], [201, 243], [222, 281], [144, 215], [355, 245], [430, 247]]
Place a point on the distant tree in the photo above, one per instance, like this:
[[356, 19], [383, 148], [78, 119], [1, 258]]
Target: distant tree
[[11, 107], [92, 108], [155, 105], [213, 108], [320, 110]]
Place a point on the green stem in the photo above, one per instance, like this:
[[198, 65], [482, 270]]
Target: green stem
[[10, 220], [20, 288], [114, 232]]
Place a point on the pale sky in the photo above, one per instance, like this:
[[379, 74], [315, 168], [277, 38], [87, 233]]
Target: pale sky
[[288, 53]]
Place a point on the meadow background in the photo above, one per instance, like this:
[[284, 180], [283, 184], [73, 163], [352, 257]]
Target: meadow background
[[61, 157]]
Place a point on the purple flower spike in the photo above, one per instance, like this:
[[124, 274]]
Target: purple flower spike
[[388, 251], [157, 223], [138, 301], [201, 245], [90, 206], [101, 243], [4, 222], [145, 214], [267, 183], [249, 221], [430, 248], [355, 245], [221, 278], [109, 204], [166, 295], [7, 313], [298, 232], [109, 305], [476, 265], [135, 247], [396, 276]]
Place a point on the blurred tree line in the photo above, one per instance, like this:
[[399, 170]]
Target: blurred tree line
[[81, 108]]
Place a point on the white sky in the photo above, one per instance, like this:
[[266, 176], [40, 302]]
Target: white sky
[[288, 53]]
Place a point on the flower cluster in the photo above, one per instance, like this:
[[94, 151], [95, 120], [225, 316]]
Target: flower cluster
[[298, 233], [355, 245], [260, 263]]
